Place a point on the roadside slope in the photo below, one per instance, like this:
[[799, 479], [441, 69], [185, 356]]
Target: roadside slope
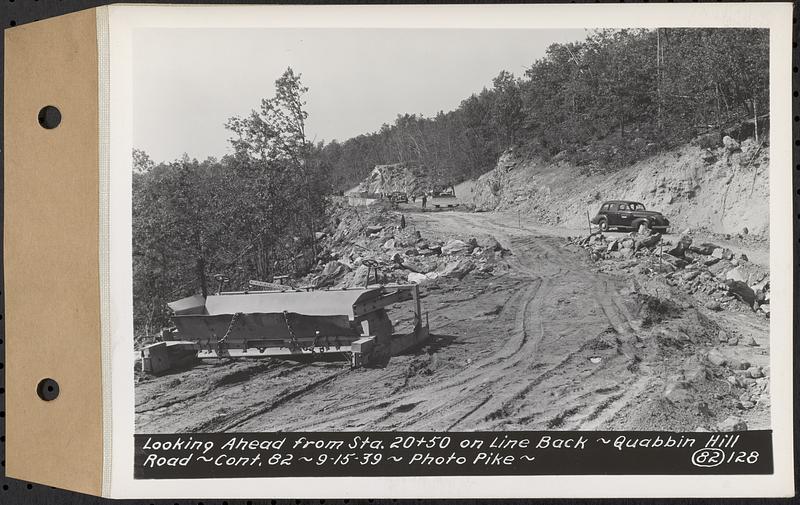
[[721, 190]]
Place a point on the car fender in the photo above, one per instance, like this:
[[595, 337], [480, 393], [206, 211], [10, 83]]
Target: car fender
[[639, 220]]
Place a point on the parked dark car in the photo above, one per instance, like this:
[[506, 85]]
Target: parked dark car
[[627, 215]]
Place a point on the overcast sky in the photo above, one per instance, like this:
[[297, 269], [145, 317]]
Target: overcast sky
[[188, 82]]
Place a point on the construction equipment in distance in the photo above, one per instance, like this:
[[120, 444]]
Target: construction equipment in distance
[[288, 323]]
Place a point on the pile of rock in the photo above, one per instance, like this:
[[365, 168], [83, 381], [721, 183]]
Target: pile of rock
[[389, 253], [748, 387], [715, 273]]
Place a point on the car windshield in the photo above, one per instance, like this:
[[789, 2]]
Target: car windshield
[[637, 206]]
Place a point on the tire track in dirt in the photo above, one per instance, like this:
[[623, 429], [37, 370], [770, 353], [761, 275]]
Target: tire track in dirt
[[528, 371]]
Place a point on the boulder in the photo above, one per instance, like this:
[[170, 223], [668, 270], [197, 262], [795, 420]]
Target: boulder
[[741, 291], [359, 276], [417, 278], [419, 265], [739, 364], [676, 392], [755, 372], [718, 253], [715, 357], [708, 157], [681, 247], [705, 248], [612, 246], [373, 229], [454, 247], [458, 269], [490, 243], [732, 423], [690, 275], [730, 144], [750, 341], [389, 244]]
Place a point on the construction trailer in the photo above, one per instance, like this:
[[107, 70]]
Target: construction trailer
[[288, 323]]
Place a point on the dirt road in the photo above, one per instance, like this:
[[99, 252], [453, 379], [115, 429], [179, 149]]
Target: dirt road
[[550, 344]]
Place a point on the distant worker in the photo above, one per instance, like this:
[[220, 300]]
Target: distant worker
[[424, 200], [402, 222]]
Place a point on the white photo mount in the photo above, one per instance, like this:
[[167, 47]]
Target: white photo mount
[[68, 254]]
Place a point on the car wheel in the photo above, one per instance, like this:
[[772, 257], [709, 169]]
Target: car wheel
[[603, 225], [643, 227]]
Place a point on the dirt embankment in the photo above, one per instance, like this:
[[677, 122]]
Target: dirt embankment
[[723, 189]]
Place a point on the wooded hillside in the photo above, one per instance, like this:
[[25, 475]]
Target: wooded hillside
[[607, 101], [251, 215]]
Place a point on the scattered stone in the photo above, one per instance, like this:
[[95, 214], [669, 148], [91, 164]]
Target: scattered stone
[[747, 404], [755, 372], [389, 244], [712, 305], [711, 260], [373, 229], [733, 340], [722, 336]]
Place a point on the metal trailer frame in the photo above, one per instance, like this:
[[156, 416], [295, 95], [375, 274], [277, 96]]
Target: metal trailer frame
[[252, 325]]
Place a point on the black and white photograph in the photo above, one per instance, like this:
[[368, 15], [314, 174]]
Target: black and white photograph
[[451, 229]]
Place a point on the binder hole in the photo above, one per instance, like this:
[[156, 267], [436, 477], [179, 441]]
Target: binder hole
[[47, 389], [49, 117]]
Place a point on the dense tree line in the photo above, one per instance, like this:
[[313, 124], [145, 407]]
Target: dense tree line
[[606, 101], [250, 215]]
